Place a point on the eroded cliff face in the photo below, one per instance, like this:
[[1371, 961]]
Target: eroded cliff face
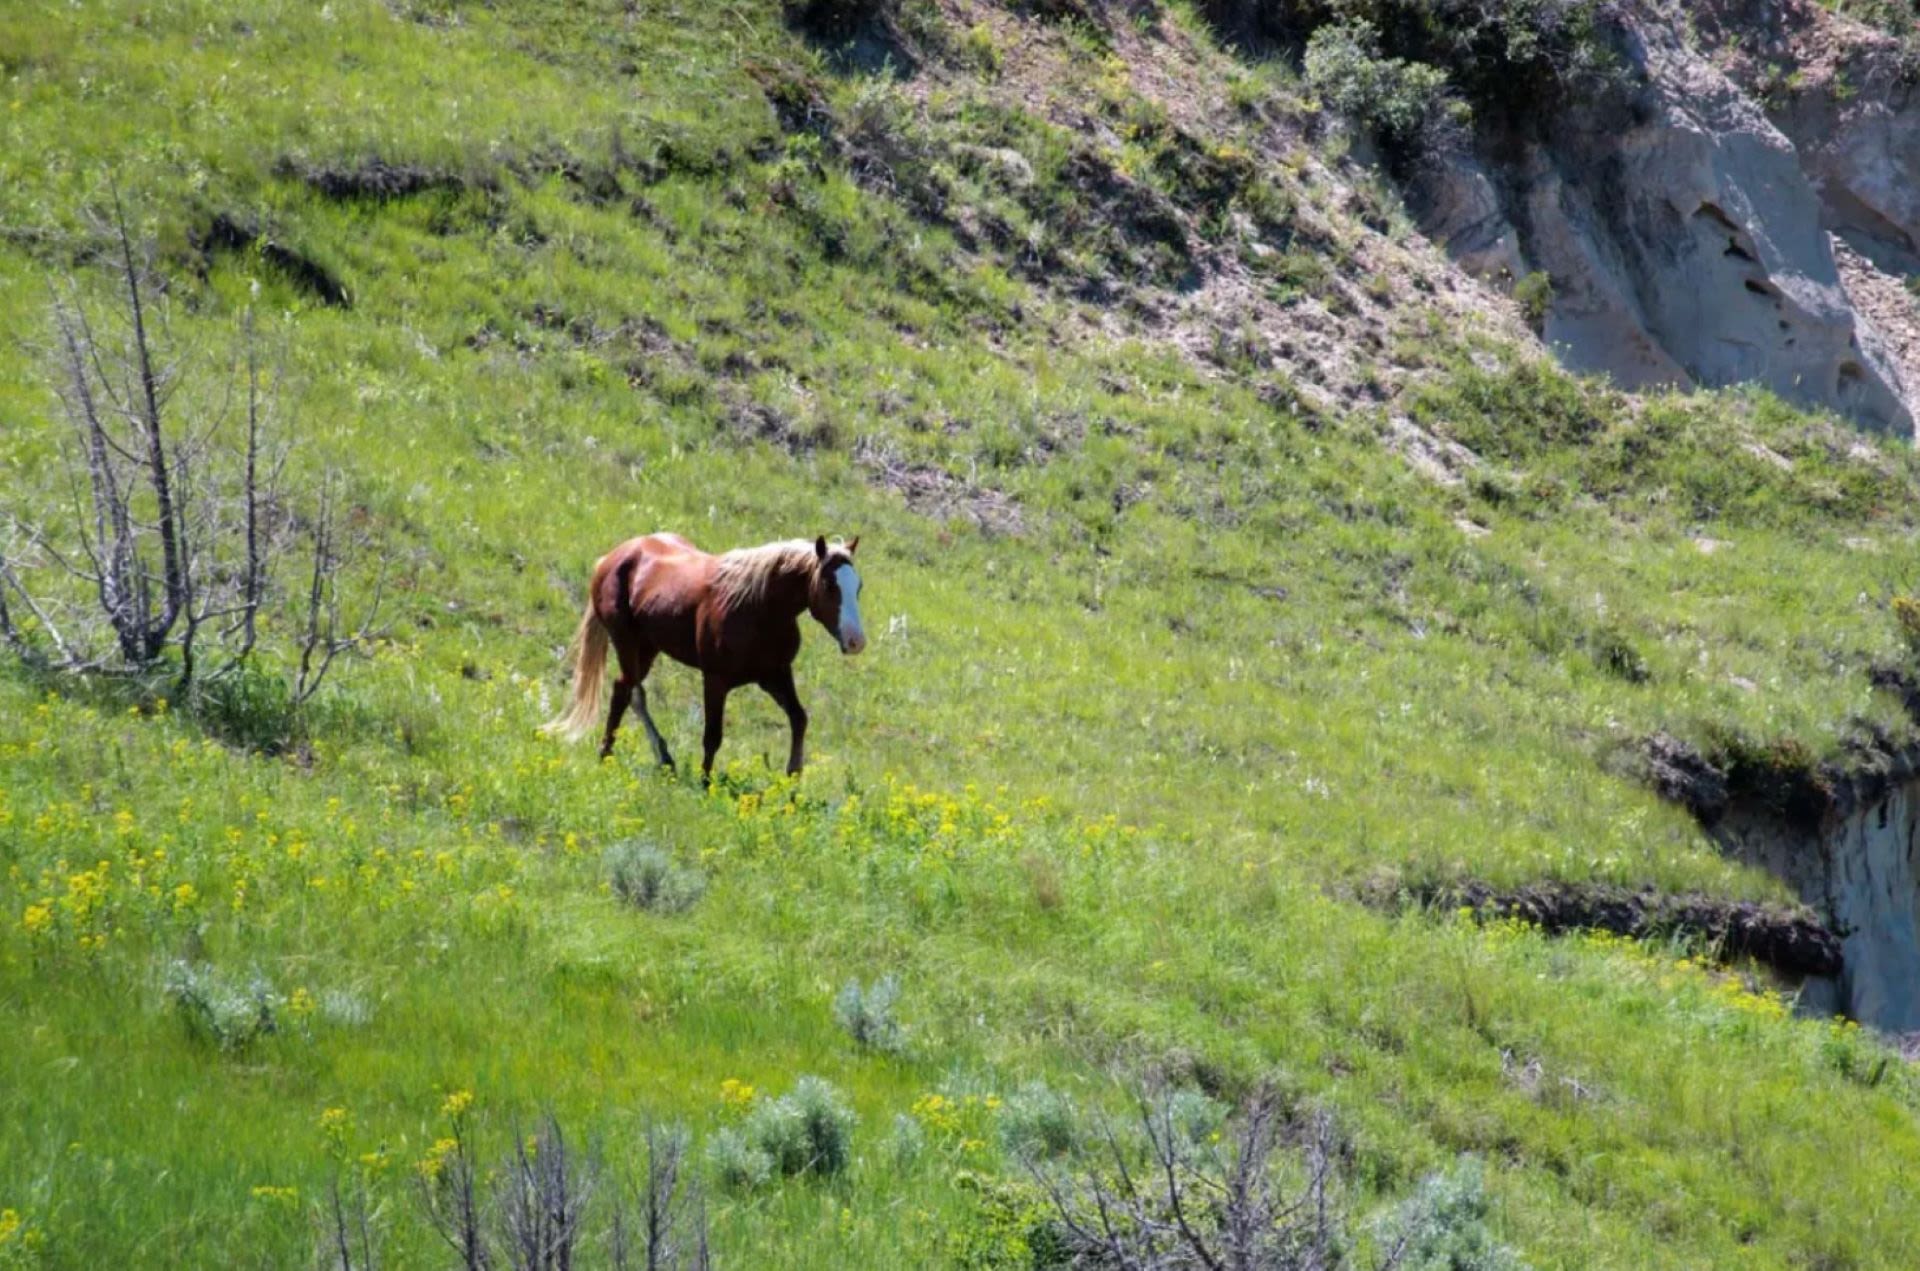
[[1701, 229], [1853, 861]]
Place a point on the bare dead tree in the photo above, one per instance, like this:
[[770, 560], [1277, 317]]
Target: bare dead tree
[[449, 1193], [542, 1194], [667, 1230], [1164, 1203], [345, 1227], [169, 538], [327, 631]]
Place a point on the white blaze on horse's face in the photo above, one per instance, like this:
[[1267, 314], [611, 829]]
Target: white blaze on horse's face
[[853, 636]]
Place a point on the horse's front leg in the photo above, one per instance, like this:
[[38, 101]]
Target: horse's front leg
[[780, 688], [716, 690]]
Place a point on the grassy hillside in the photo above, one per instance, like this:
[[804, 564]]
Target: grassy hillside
[[1170, 653]]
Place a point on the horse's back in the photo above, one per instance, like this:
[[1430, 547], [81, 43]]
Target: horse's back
[[649, 588]]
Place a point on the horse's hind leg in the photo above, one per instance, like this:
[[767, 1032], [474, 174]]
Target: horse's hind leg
[[632, 667], [622, 692], [646, 717]]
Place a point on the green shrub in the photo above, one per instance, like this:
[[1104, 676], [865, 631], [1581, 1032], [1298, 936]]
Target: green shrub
[[1038, 1121], [737, 1161], [252, 708], [1013, 1228], [216, 1010], [1906, 612], [1534, 294], [867, 1014], [978, 48], [905, 1142], [778, 1128], [1400, 100], [1444, 1225], [1197, 1119], [647, 878], [828, 1122], [808, 1130]]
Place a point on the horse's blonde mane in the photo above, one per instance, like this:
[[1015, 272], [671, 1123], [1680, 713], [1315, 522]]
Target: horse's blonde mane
[[744, 572]]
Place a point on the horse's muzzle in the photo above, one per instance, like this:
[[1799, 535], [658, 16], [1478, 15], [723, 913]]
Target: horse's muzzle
[[854, 643]]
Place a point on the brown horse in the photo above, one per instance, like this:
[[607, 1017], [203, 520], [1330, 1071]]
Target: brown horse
[[734, 618]]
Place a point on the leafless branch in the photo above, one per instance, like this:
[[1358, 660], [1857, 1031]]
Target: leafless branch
[[542, 1195], [1193, 1210], [327, 632], [669, 1212]]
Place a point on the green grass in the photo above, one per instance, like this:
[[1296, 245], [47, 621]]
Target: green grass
[[1238, 661]]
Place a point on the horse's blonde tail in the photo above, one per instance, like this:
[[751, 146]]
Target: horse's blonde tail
[[589, 651]]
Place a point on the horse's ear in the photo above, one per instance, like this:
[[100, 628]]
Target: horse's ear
[[853, 545], [820, 547]]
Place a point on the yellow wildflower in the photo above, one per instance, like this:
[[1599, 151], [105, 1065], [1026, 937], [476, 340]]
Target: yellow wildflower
[[736, 1094], [37, 919], [456, 1103], [936, 1112], [435, 1160]]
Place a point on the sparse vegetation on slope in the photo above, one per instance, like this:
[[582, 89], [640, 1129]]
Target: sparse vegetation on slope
[[1170, 653]]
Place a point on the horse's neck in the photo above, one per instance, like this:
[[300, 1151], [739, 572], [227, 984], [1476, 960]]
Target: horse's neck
[[785, 596]]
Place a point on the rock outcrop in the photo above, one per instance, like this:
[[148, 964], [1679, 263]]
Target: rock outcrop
[[1689, 234], [1844, 836], [1855, 864]]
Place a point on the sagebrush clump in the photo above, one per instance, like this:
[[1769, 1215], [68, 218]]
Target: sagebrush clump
[[1038, 1121], [1443, 1225], [216, 1009], [867, 1013], [808, 1130], [648, 878]]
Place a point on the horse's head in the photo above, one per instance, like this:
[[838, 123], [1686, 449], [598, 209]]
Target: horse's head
[[835, 601]]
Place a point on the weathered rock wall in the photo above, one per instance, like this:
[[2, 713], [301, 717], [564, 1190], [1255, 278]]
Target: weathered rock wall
[[1689, 239], [1855, 864]]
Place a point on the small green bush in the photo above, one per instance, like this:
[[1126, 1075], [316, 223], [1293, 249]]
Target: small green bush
[[1038, 1121], [1013, 1228], [252, 708], [1534, 294], [905, 1143], [1400, 100], [737, 1161], [647, 878], [216, 1010], [978, 47], [1197, 1119], [1906, 612], [829, 1124], [1444, 1225], [866, 1012], [808, 1130]]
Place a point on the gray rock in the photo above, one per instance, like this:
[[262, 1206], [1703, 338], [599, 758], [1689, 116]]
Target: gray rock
[[1686, 240]]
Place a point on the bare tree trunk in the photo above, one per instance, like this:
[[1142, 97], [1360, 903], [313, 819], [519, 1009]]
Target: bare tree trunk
[[159, 474], [255, 580]]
